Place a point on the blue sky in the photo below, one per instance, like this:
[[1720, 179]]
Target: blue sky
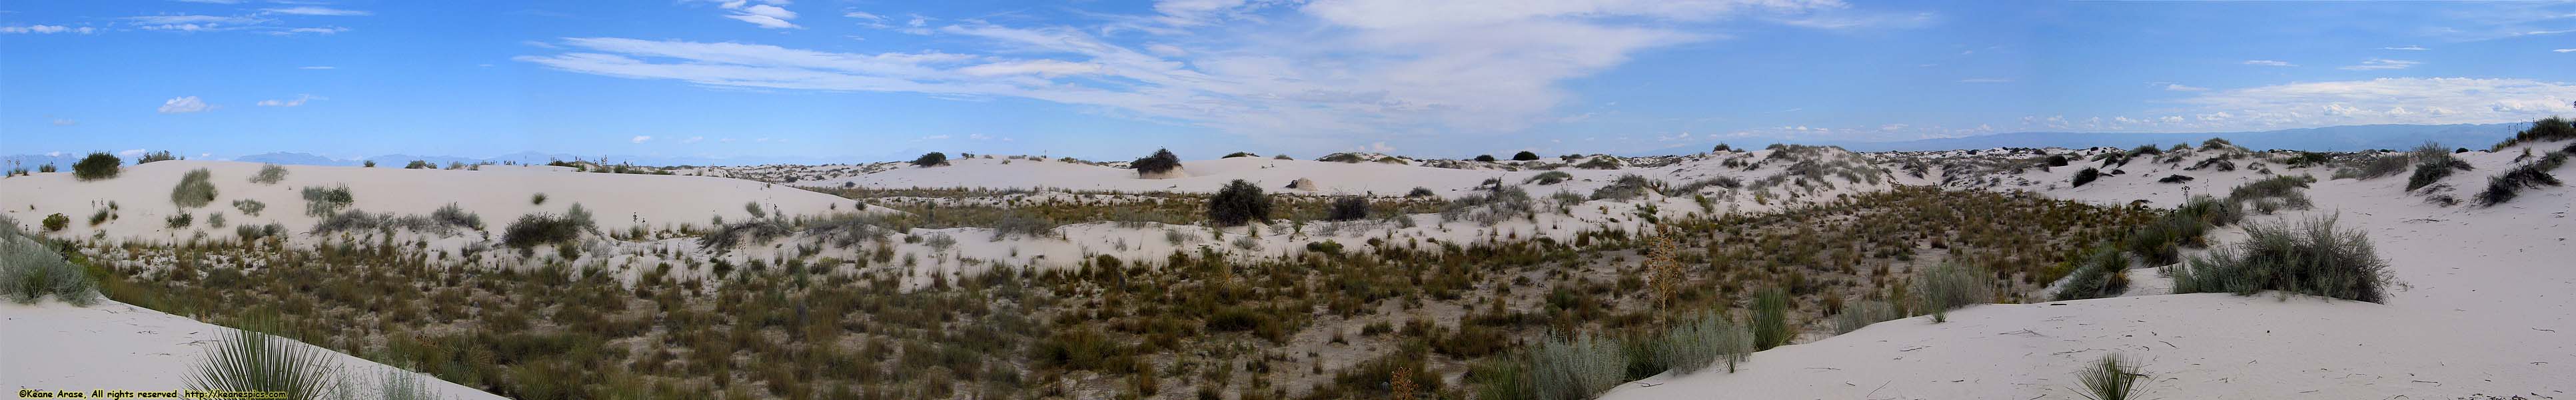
[[877, 80]]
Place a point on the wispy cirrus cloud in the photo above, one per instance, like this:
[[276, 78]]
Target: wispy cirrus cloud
[[1350, 67], [297, 101], [2380, 64], [48, 29], [318, 11], [765, 13], [2269, 63], [184, 104]]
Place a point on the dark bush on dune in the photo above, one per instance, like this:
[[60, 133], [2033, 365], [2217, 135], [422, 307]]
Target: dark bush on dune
[[1238, 203], [546, 228], [1240, 154], [1485, 158], [2546, 129], [1524, 156], [1419, 191], [931, 159], [2086, 176], [2058, 160], [2102, 273], [2503, 187], [1348, 208], [1162, 161], [2376, 166], [2145, 149], [2174, 179], [2160, 242], [2313, 258], [1548, 178], [2432, 164], [96, 166]]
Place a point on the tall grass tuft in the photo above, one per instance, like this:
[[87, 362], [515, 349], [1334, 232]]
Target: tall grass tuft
[[2113, 378], [1771, 318], [1860, 314], [2104, 273], [194, 190], [2432, 164], [246, 360], [1575, 368], [2312, 258], [2503, 187], [1703, 340], [322, 202], [1951, 285], [31, 270], [269, 174]]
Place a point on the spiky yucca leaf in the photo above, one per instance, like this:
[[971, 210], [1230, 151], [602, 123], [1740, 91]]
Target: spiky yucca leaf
[[246, 360], [2113, 378]]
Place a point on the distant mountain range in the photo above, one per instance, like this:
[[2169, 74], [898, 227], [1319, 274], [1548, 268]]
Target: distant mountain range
[[2332, 138]]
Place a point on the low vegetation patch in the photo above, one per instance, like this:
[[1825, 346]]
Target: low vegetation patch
[[30, 270], [1162, 161], [322, 202], [97, 166], [1548, 178], [1238, 203], [2086, 176], [2312, 258], [2504, 187], [547, 228], [2432, 164], [931, 159], [195, 189], [2543, 130], [269, 174]]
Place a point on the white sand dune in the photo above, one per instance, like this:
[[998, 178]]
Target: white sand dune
[[114, 346], [1205, 176], [2491, 310]]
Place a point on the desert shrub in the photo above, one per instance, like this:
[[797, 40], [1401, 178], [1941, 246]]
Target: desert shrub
[[2160, 242], [1575, 368], [2313, 258], [2432, 164], [1341, 158], [320, 201], [1489, 207], [398, 384], [546, 228], [1348, 208], [1548, 178], [214, 220], [2145, 149], [31, 270], [931, 159], [1771, 319], [2103, 273], [2287, 188], [1239, 202], [1419, 191], [1524, 156], [1860, 314], [47, 168], [2055, 160], [249, 233], [420, 164], [1282, 157], [180, 220], [57, 222], [2215, 143], [1485, 158], [1240, 154], [1160, 162], [723, 238], [1023, 226], [2543, 130], [194, 189], [2503, 187], [269, 174], [1502, 378], [2113, 378], [456, 216], [96, 166], [539, 199], [1699, 341], [100, 217], [754, 209], [1628, 186], [1952, 285], [367, 164], [244, 360], [249, 207], [2086, 176], [2374, 167], [1601, 162], [2174, 179]]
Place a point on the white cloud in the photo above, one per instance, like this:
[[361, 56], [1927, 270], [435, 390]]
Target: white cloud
[[1984, 80], [2565, 50], [2407, 48], [1892, 127], [693, 139], [2269, 63], [184, 104], [194, 23], [131, 153], [313, 10], [47, 29], [299, 100], [766, 14], [2379, 64], [2379, 101], [2181, 88], [864, 15], [1352, 67], [319, 31], [641, 139]]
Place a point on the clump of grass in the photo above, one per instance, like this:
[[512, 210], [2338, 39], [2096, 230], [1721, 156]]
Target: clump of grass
[[1548, 178], [1703, 340], [194, 190], [1419, 191], [1863, 313], [454, 215], [1952, 285], [32, 271], [1628, 186], [1575, 368], [2113, 378], [2313, 258], [249, 207], [2282, 190], [96, 166], [546, 228], [1491, 207], [2104, 273], [2545, 129], [1347, 208], [2160, 242], [2086, 176], [322, 202], [56, 222], [539, 199], [1771, 319], [2432, 164], [269, 174], [180, 220], [2503, 187], [1238, 203], [1022, 225], [245, 360], [2374, 167]]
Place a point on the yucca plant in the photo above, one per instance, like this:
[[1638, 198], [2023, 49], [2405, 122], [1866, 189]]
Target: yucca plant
[[246, 360], [2113, 378]]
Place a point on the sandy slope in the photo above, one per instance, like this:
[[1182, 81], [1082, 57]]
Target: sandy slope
[[114, 346], [2491, 310]]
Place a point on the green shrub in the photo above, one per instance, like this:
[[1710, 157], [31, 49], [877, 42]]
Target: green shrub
[[2086, 176], [367, 164], [56, 222], [1240, 154], [31, 270], [180, 220], [269, 174], [546, 228], [1548, 178], [2113, 378], [1771, 319], [1419, 191], [1022, 226], [323, 202], [2375, 166], [195, 189], [1575, 368], [2055, 160], [1952, 285], [153, 157], [1628, 187], [250, 233], [1524, 156], [1502, 378], [243, 360], [1238, 203], [1703, 340], [47, 168], [420, 164], [1863, 313], [539, 199], [2104, 273], [2431, 165], [2313, 258], [931, 159], [1347, 208], [249, 207], [2503, 187], [1485, 158], [97, 166], [2543, 130], [754, 209], [456, 216], [1160, 162]]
